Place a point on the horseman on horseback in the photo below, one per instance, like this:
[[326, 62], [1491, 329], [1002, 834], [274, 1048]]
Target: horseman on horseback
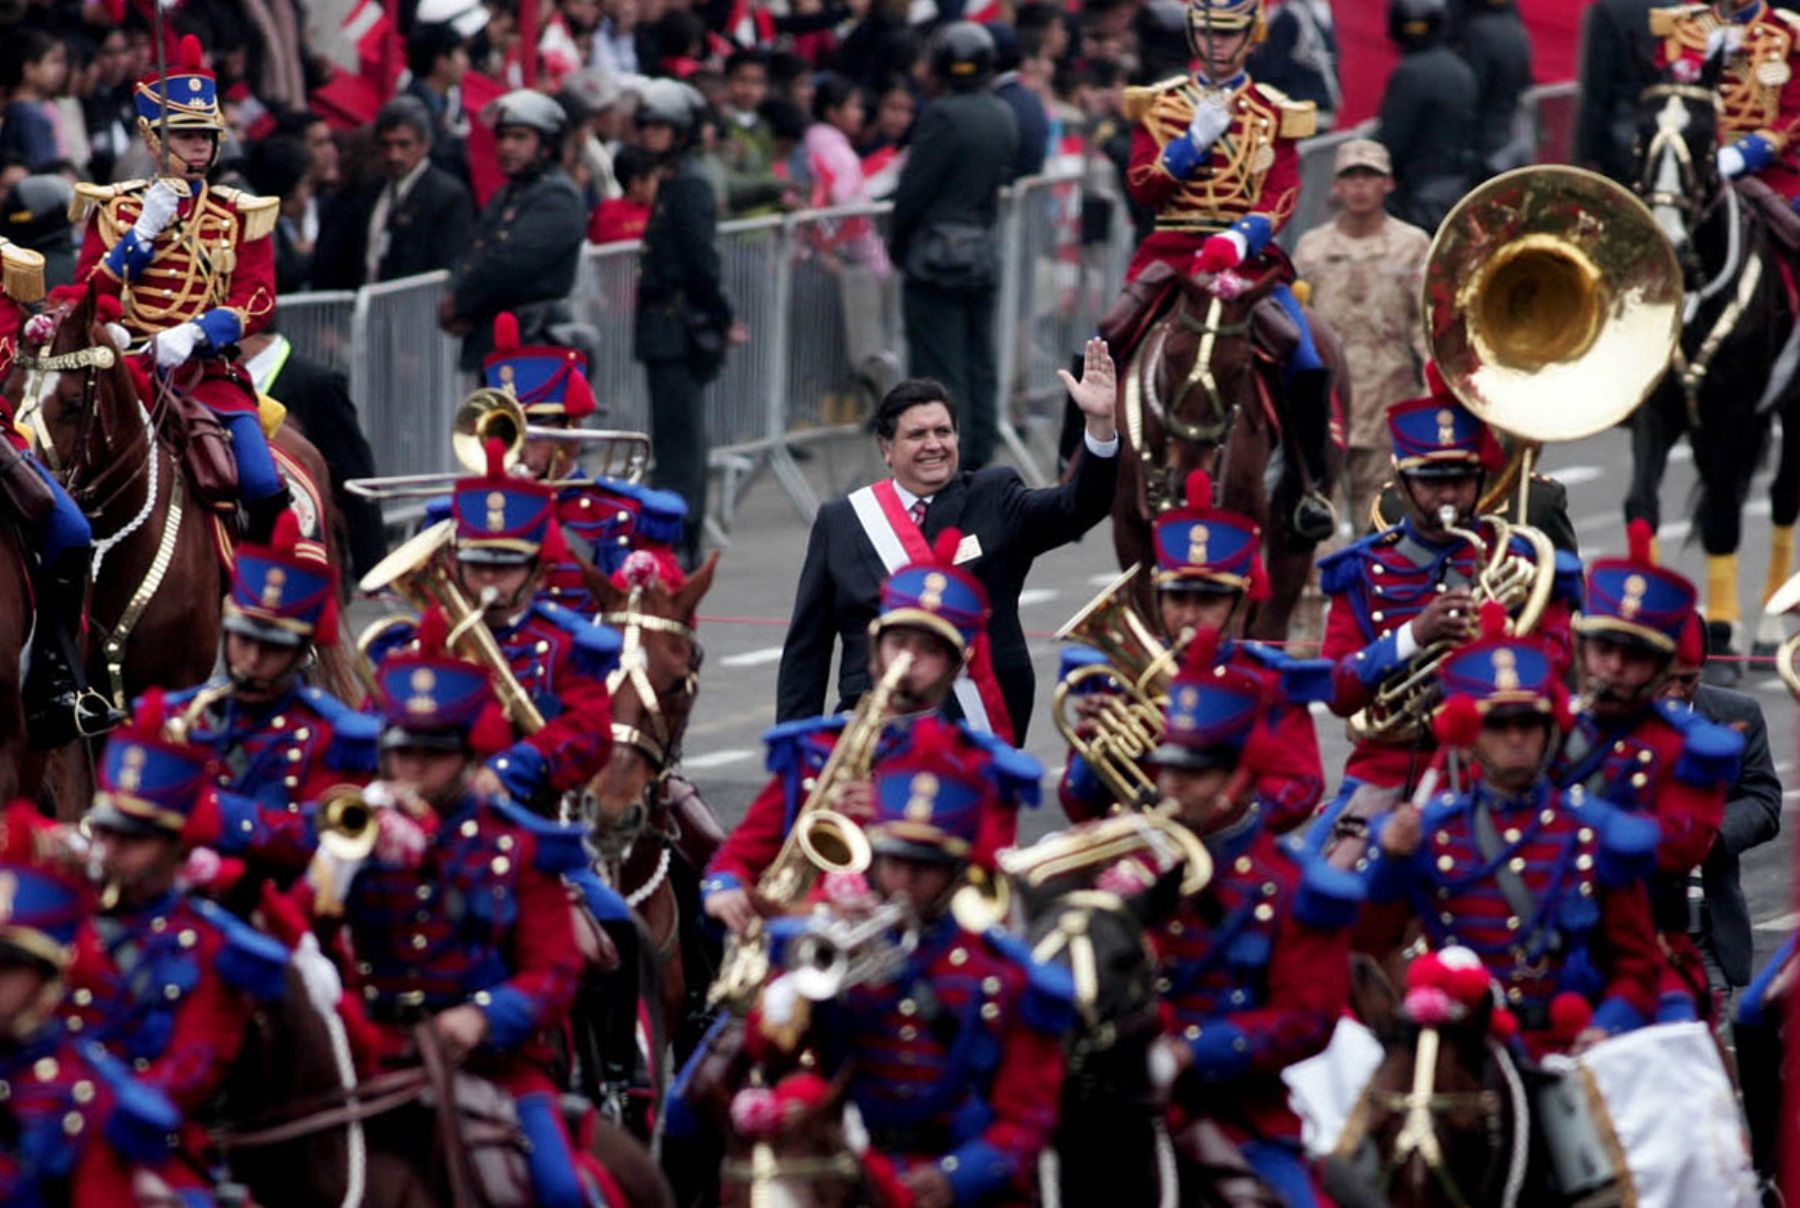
[[457, 911], [1208, 564], [193, 265], [1253, 968], [60, 707], [81, 1129], [175, 977], [602, 519], [1216, 156], [277, 740], [1759, 90], [1651, 758]]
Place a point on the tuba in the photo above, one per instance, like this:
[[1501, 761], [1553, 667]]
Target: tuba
[[1552, 302], [1129, 723], [416, 571]]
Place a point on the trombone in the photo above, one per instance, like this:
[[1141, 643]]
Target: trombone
[[489, 414]]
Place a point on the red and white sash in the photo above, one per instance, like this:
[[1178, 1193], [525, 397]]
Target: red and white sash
[[899, 542]]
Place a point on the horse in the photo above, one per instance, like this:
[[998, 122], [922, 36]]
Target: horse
[[627, 804], [1201, 391], [1733, 369], [157, 575], [1445, 1118]]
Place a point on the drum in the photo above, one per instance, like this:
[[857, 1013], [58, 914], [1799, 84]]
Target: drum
[[1659, 1102]]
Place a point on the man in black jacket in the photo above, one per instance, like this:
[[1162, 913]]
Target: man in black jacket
[[419, 217], [1618, 61], [942, 234], [1427, 116], [1497, 47], [1752, 817], [1005, 527], [527, 243], [684, 319]]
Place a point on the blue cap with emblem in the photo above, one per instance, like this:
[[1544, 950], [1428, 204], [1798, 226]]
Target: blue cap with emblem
[[501, 520], [1502, 674], [191, 94], [1634, 600], [283, 593], [550, 382], [1437, 437], [150, 782], [41, 905], [1203, 548], [432, 698], [1211, 709], [930, 795], [937, 596]]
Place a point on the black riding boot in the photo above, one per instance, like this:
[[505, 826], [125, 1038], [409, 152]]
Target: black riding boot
[[60, 707], [260, 516], [1309, 411]]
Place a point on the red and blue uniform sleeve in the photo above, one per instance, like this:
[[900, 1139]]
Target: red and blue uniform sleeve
[[1083, 796], [1308, 983], [250, 303], [1358, 664], [753, 843], [545, 963], [94, 263], [278, 838], [208, 1030]]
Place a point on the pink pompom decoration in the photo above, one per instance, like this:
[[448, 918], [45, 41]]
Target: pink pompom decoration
[[1430, 1007], [1228, 285], [1465, 977], [40, 329], [1427, 971], [641, 568], [847, 891], [756, 1112]]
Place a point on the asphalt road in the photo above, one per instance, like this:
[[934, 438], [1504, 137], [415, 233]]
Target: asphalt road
[[744, 621]]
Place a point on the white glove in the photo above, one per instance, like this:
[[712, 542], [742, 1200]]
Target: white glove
[[399, 841], [176, 345], [1211, 119], [161, 200], [1731, 163]]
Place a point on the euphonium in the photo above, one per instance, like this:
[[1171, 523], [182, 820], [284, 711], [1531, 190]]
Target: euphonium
[[1127, 721], [822, 839], [1401, 708], [180, 727]]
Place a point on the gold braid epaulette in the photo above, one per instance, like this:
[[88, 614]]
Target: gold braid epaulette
[[88, 196], [1140, 98], [23, 277], [258, 214]]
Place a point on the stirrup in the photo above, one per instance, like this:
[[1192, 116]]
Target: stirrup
[[91, 702], [1320, 511]]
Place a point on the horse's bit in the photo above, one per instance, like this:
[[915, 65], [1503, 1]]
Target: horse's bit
[[1421, 1105]]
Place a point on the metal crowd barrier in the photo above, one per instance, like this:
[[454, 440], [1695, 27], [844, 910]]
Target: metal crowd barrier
[[821, 303]]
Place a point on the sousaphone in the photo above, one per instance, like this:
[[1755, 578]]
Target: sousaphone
[[1552, 302]]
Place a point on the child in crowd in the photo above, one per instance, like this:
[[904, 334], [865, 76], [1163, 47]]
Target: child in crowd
[[623, 218]]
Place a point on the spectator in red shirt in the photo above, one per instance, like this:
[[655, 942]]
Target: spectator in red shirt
[[619, 219]]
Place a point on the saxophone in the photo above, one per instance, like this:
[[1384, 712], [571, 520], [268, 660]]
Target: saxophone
[[822, 839]]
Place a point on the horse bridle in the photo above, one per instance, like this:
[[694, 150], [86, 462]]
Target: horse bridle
[[91, 361], [1419, 1109], [660, 744]]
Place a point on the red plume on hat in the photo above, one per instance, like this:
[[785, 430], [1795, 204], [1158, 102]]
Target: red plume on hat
[[151, 714], [1457, 723], [495, 448], [1200, 491], [433, 631], [1640, 542], [1493, 620], [1201, 653], [193, 55], [1691, 649], [506, 331], [943, 550]]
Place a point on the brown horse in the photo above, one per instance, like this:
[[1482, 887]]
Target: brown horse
[[154, 617], [1444, 1119], [1202, 391], [628, 803], [17, 778]]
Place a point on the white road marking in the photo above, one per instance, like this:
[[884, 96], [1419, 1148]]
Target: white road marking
[[1318, 708], [1675, 530], [1574, 476], [1681, 454], [1037, 595], [752, 658], [1781, 922], [716, 759]]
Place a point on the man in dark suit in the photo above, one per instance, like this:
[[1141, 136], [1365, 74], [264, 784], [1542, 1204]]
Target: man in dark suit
[[1618, 60], [1005, 527], [942, 233], [1752, 817], [420, 216]]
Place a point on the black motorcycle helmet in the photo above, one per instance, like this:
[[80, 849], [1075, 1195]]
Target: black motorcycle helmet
[[962, 56], [1416, 22]]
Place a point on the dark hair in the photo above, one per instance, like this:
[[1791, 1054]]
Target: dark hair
[[429, 43], [1032, 40], [26, 45], [913, 392], [679, 34], [784, 118], [745, 58], [830, 90], [407, 111], [275, 165], [1036, 15], [632, 164], [785, 67]]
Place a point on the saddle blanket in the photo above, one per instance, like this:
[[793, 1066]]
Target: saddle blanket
[[1324, 1088]]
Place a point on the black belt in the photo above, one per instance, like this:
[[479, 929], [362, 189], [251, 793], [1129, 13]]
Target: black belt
[[401, 1014]]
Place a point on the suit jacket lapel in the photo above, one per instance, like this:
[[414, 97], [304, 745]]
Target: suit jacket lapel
[[947, 507]]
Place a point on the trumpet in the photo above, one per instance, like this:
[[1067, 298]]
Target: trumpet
[[489, 414], [178, 728], [1083, 851], [348, 818], [1400, 710], [835, 952]]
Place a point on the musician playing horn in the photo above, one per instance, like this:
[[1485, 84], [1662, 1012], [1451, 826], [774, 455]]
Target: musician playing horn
[[935, 613], [1398, 592], [955, 1059], [1252, 970], [1208, 565], [1646, 756]]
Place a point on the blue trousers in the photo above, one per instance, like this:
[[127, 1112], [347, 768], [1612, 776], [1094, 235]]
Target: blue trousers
[[257, 476], [66, 528], [554, 1179], [1282, 1166], [1306, 354]]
